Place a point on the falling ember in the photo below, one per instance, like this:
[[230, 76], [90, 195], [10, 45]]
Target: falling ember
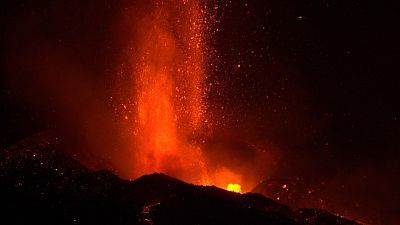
[[234, 188]]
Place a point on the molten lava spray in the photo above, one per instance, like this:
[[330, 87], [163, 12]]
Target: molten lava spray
[[168, 78], [167, 65]]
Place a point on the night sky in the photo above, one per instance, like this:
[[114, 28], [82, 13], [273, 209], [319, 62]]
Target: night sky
[[315, 83]]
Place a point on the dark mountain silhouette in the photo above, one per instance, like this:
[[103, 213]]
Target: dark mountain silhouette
[[42, 185]]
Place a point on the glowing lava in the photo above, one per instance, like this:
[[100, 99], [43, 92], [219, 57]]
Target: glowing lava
[[234, 188], [167, 71], [169, 74]]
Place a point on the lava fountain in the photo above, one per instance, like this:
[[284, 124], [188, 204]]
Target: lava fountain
[[168, 71]]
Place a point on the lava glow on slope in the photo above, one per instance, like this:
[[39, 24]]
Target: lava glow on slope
[[168, 72], [234, 188]]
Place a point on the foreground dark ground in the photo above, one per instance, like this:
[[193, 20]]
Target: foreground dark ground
[[41, 185]]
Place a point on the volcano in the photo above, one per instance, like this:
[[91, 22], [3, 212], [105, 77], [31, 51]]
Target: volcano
[[42, 185], [151, 103]]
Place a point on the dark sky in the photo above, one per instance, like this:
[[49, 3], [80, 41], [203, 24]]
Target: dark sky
[[323, 86], [318, 81]]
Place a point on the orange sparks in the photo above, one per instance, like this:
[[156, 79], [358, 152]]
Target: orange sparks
[[166, 67], [169, 75]]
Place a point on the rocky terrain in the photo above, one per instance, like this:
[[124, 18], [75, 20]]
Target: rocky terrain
[[39, 184]]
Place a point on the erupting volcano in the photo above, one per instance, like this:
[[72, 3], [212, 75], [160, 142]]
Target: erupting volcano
[[169, 77], [169, 71], [293, 101]]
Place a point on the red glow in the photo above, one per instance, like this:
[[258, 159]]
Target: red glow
[[169, 73]]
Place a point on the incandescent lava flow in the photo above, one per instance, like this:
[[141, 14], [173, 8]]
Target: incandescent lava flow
[[234, 188]]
